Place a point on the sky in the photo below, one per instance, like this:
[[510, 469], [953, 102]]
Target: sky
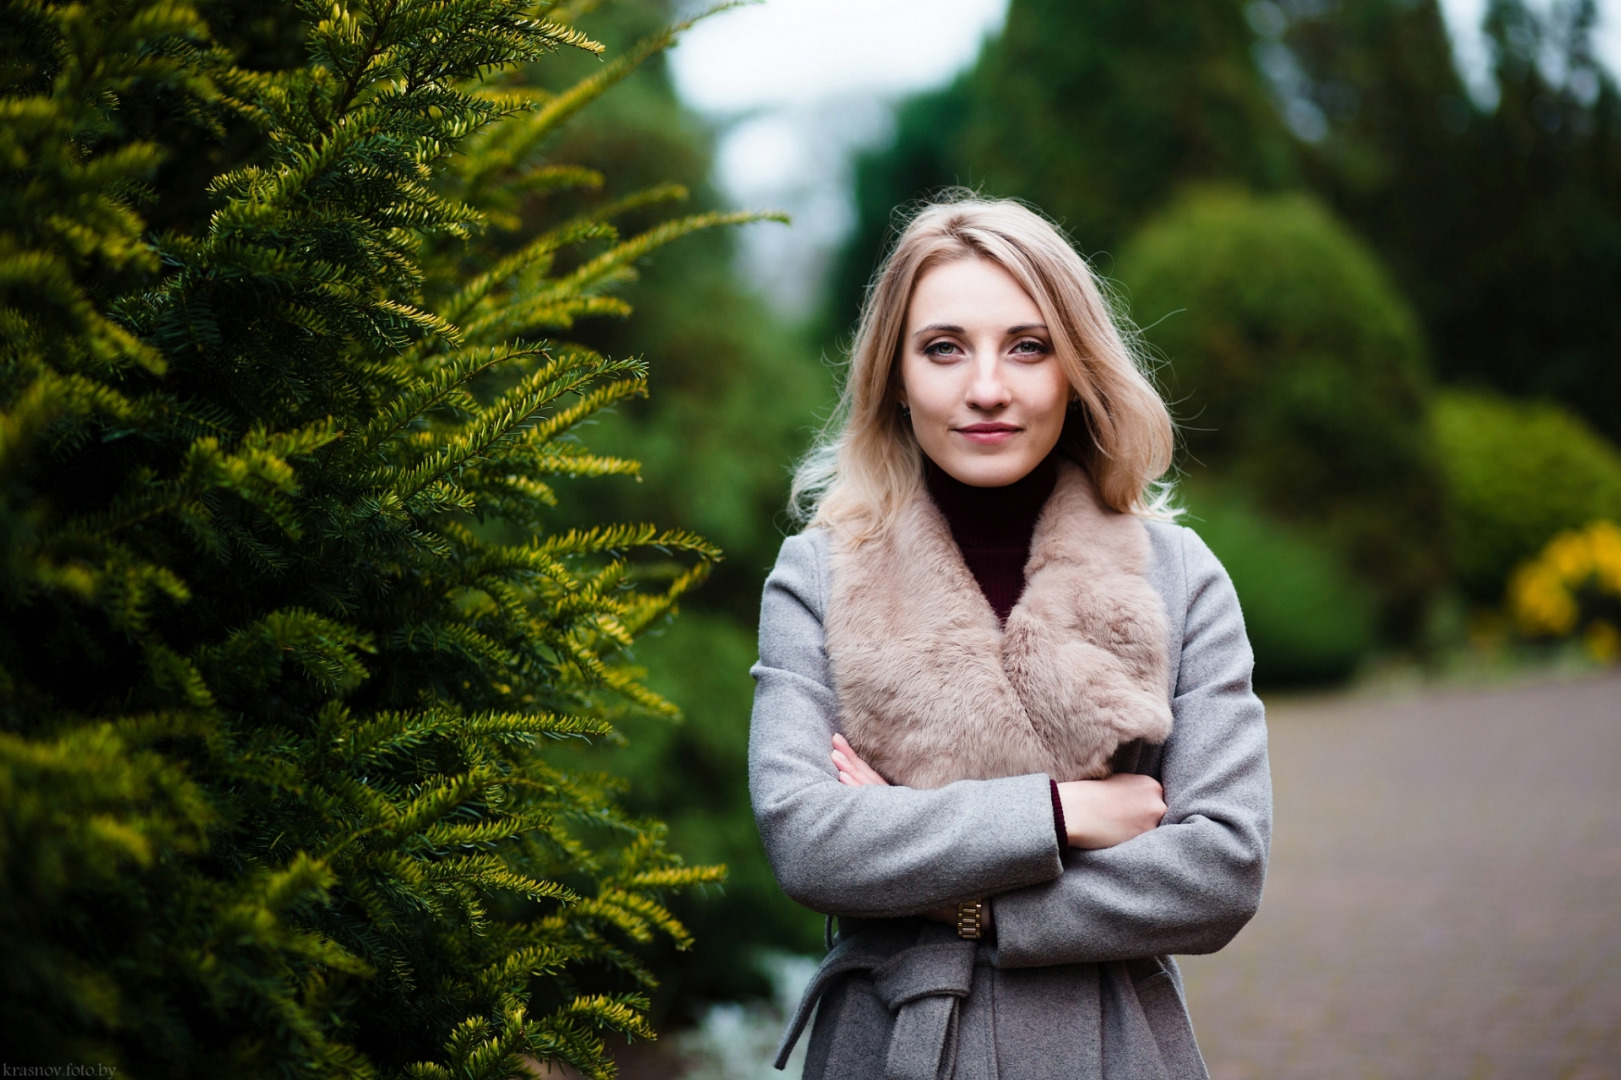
[[798, 86]]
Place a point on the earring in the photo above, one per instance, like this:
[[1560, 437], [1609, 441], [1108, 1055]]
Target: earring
[[906, 412]]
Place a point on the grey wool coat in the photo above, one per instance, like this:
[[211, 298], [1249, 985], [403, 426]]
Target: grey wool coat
[[1078, 982]]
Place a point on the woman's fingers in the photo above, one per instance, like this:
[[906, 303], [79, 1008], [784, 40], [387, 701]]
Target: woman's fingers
[[852, 770], [1103, 813]]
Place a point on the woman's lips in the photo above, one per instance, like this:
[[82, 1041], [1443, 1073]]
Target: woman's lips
[[988, 433]]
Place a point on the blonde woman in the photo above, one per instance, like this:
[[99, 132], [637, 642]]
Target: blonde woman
[[1003, 725]]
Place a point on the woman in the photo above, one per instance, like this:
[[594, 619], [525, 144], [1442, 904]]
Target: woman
[[1003, 725]]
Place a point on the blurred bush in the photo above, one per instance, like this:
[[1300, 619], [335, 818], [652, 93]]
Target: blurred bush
[[1298, 374], [1308, 619], [1517, 473], [1573, 587]]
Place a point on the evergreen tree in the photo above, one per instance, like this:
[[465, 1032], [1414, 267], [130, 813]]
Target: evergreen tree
[[1396, 151], [735, 388], [923, 156], [1501, 221], [732, 399], [288, 621], [1097, 113]]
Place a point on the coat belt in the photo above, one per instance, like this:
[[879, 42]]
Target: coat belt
[[922, 985]]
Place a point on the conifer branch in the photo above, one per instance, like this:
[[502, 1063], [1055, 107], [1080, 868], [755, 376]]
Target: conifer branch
[[292, 708]]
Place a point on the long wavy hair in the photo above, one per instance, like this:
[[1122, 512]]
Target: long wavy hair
[[866, 464]]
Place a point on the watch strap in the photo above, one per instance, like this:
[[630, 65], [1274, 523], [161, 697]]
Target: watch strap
[[971, 919]]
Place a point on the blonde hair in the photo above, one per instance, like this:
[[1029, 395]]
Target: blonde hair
[[867, 465]]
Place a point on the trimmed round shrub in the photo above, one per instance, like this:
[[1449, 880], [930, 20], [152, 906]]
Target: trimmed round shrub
[[1299, 376], [1518, 473], [1308, 618]]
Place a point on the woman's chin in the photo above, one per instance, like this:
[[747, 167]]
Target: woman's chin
[[988, 469]]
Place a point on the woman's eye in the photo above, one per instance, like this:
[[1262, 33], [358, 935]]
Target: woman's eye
[[940, 348], [1031, 347]]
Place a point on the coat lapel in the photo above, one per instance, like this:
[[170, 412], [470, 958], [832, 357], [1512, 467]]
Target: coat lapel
[[933, 689]]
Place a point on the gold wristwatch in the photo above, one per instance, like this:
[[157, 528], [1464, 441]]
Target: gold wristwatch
[[971, 919]]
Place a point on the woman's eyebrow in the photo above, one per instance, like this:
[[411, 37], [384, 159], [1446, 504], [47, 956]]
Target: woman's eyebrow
[[947, 328]]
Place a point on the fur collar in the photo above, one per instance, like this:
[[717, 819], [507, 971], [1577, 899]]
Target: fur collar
[[933, 689]]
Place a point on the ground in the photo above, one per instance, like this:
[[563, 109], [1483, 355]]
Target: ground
[[1444, 896]]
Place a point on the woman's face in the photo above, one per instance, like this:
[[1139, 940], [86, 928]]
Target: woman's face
[[978, 372]]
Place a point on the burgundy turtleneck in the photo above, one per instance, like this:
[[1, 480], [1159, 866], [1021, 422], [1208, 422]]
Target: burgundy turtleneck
[[993, 527]]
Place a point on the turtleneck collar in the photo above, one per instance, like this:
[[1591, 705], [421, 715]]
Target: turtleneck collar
[[993, 526], [992, 517]]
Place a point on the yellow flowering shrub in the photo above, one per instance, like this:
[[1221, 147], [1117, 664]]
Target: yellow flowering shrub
[[1573, 586]]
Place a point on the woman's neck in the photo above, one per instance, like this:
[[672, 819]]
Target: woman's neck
[[993, 526]]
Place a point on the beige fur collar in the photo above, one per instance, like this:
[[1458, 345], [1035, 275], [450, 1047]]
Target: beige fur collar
[[932, 689]]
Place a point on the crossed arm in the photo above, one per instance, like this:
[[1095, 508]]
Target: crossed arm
[[1129, 888], [1097, 813]]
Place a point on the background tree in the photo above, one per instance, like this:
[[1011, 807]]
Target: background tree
[[290, 614], [924, 155], [1098, 115], [1502, 221]]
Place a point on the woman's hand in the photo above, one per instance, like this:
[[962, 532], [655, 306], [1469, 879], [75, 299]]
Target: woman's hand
[[857, 773], [1103, 813], [852, 770]]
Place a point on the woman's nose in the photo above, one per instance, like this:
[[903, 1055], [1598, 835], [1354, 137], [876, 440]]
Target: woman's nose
[[987, 390]]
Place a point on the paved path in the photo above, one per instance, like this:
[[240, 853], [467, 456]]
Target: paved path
[[1444, 898]]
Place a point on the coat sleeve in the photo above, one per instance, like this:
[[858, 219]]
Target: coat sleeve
[[869, 851], [1189, 885]]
